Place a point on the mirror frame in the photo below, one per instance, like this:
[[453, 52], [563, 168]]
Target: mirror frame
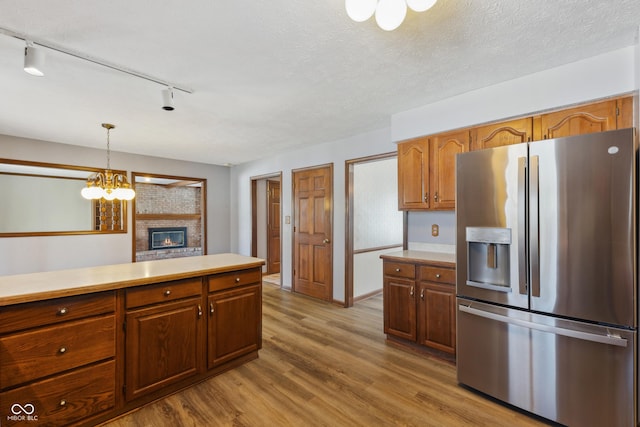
[[89, 170]]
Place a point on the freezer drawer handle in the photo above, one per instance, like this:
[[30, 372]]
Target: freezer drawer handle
[[604, 339], [488, 286]]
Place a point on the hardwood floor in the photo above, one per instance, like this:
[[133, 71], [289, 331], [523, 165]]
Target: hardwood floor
[[323, 365]]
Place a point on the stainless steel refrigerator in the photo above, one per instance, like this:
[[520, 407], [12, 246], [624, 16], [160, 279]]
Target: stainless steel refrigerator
[[546, 248]]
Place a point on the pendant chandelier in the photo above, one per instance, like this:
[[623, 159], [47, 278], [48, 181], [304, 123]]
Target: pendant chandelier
[[389, 13], [108, 185]]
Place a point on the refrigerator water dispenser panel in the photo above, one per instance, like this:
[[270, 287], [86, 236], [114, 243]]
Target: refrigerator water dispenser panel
[[488, 258]]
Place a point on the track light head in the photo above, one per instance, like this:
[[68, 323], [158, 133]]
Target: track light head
[[167, 99], [33, 60]]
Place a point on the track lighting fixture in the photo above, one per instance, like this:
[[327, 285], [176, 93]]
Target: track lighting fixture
[[167, 99], [33, 60]]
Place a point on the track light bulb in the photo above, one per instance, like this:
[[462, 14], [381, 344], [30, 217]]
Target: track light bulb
[[167, 99], [33, 60]]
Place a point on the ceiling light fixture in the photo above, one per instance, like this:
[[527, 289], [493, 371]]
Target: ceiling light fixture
[[57, 48], [33, 60], [108, 185], [167, 99], [389, 13]]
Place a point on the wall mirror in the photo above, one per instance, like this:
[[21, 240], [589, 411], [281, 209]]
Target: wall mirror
[[43, 199]]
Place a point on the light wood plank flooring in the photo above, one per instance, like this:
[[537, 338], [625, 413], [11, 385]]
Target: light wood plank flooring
[[323, 365]]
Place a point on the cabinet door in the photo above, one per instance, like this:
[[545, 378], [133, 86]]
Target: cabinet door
[[443, 167], [399, 306], [503, 133], [164, 344], [437, 317], [235, 326], [597, 117], [413, 174]]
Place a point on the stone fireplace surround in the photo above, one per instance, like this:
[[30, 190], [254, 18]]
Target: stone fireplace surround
[[159, 206]]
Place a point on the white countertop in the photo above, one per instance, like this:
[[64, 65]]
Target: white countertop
[[53, 284], [421, 256]]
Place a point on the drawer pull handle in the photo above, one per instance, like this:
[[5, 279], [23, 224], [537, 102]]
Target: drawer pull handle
[[167, 293], [397, 270], [63, 350], [411, 291], [63, 402], [63, 311], [199, 310], [438, 276], [422, 294], [211, 309], [237, 280]]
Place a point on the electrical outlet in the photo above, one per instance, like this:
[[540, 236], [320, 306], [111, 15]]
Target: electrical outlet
[[435, 230]]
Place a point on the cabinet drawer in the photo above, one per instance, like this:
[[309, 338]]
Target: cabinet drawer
[[63, 399], [234, 278], [35, 314], [438, 274], [35, 354], [163, 292], [399, 269]]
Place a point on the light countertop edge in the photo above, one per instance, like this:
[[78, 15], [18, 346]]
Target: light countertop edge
[[20, 288], [437, 258]]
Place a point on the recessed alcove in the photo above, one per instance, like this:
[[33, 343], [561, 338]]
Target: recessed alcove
[[173, 206]]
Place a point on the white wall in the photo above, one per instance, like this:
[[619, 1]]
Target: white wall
[[335, 152], [609, 74], [34, 254]]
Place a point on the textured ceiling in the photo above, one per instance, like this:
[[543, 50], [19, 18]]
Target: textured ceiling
[[273, 75]]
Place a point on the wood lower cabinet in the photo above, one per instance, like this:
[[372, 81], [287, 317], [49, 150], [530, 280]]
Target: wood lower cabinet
[[234, 324], [84, 359], [163, 345], [57, 360], [419, 304]]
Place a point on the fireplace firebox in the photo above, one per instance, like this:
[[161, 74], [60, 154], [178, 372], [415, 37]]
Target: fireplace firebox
[[167, 238]]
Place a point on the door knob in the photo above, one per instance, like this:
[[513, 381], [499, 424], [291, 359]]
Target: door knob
[[325, 241]]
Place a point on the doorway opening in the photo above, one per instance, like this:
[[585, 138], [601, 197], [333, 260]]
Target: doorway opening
[[266, 224], [373, 223], [169, 216]]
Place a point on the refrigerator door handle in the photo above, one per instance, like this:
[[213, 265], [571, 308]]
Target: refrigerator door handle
[[534, 224], [585, 336], [522, 255]]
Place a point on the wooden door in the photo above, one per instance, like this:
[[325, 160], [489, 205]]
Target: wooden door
[[312, 232], [234, 327], [399, 308], [503, 133], [597, 117], [273, 227], [413, 174], [443, 167]]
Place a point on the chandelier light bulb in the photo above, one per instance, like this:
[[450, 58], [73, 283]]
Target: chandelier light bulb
[[420, 5], [360, 10], [390, 14]]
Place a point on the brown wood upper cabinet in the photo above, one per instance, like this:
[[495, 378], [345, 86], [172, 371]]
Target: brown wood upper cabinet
[[589, 118], [503, 133], [426, 171]]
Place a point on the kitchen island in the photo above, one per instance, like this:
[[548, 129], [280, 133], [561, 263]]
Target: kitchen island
[[78, 347]]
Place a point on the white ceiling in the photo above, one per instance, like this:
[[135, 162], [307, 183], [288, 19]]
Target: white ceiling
[[275, 75]]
